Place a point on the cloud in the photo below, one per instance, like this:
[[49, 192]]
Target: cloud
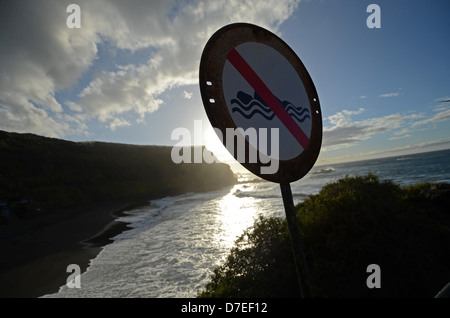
[[178, 43], [441, 110], [118, 122], [442, 115], [388, 152], [40, 56], [394, 94], [444, 99], [439, 144], [399, 137], [37, 58], [187, 95], [345, 132], [343, 117], [444, 104]]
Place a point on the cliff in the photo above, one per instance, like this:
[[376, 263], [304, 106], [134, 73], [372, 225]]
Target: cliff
[[39, 174]]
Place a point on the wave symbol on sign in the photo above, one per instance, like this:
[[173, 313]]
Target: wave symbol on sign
[[249, 106]]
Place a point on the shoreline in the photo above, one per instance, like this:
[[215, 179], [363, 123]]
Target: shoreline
[[36, 252]]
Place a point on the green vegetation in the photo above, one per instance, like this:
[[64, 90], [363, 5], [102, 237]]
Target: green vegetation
[[41, 174], [350, 224]]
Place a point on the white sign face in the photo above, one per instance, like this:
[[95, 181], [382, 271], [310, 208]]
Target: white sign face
[[247, 106]]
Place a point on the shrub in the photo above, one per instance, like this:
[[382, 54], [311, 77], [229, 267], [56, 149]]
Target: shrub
[[259, 266]]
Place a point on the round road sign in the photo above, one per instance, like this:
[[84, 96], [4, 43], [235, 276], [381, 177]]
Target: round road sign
[[258, 93]]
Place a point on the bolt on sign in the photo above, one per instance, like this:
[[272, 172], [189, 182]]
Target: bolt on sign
[[254, 84]]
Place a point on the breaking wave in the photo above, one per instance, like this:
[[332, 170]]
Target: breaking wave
[[323, 171], [250, 194]]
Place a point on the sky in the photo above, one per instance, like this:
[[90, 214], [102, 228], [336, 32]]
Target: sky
[[129, 74]]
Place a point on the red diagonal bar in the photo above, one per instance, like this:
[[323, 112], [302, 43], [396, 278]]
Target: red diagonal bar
[[268, 97]]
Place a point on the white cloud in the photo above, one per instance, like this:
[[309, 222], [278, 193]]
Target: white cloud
[[343, 117], [442, 115], [445, 99], [393, 94], [178, 43], [440, 144], [399, 137], [187, 95], [444, 104], [40, 56], [388, 152], [345, 132], [404, 131], [74, 107], [118, 122]]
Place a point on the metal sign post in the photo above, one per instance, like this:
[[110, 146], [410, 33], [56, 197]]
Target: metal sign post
[[258, 93], [296, 241]]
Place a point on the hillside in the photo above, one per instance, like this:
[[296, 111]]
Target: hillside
[[39, 174]]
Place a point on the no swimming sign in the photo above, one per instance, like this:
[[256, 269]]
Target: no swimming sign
[[253, 84]]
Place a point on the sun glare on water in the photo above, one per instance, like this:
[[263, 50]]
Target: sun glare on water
[[237, 213]]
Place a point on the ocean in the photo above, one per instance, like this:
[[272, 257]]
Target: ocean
[[175, 243]]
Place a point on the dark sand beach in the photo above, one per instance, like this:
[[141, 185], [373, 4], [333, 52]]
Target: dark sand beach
[[35, 253]]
